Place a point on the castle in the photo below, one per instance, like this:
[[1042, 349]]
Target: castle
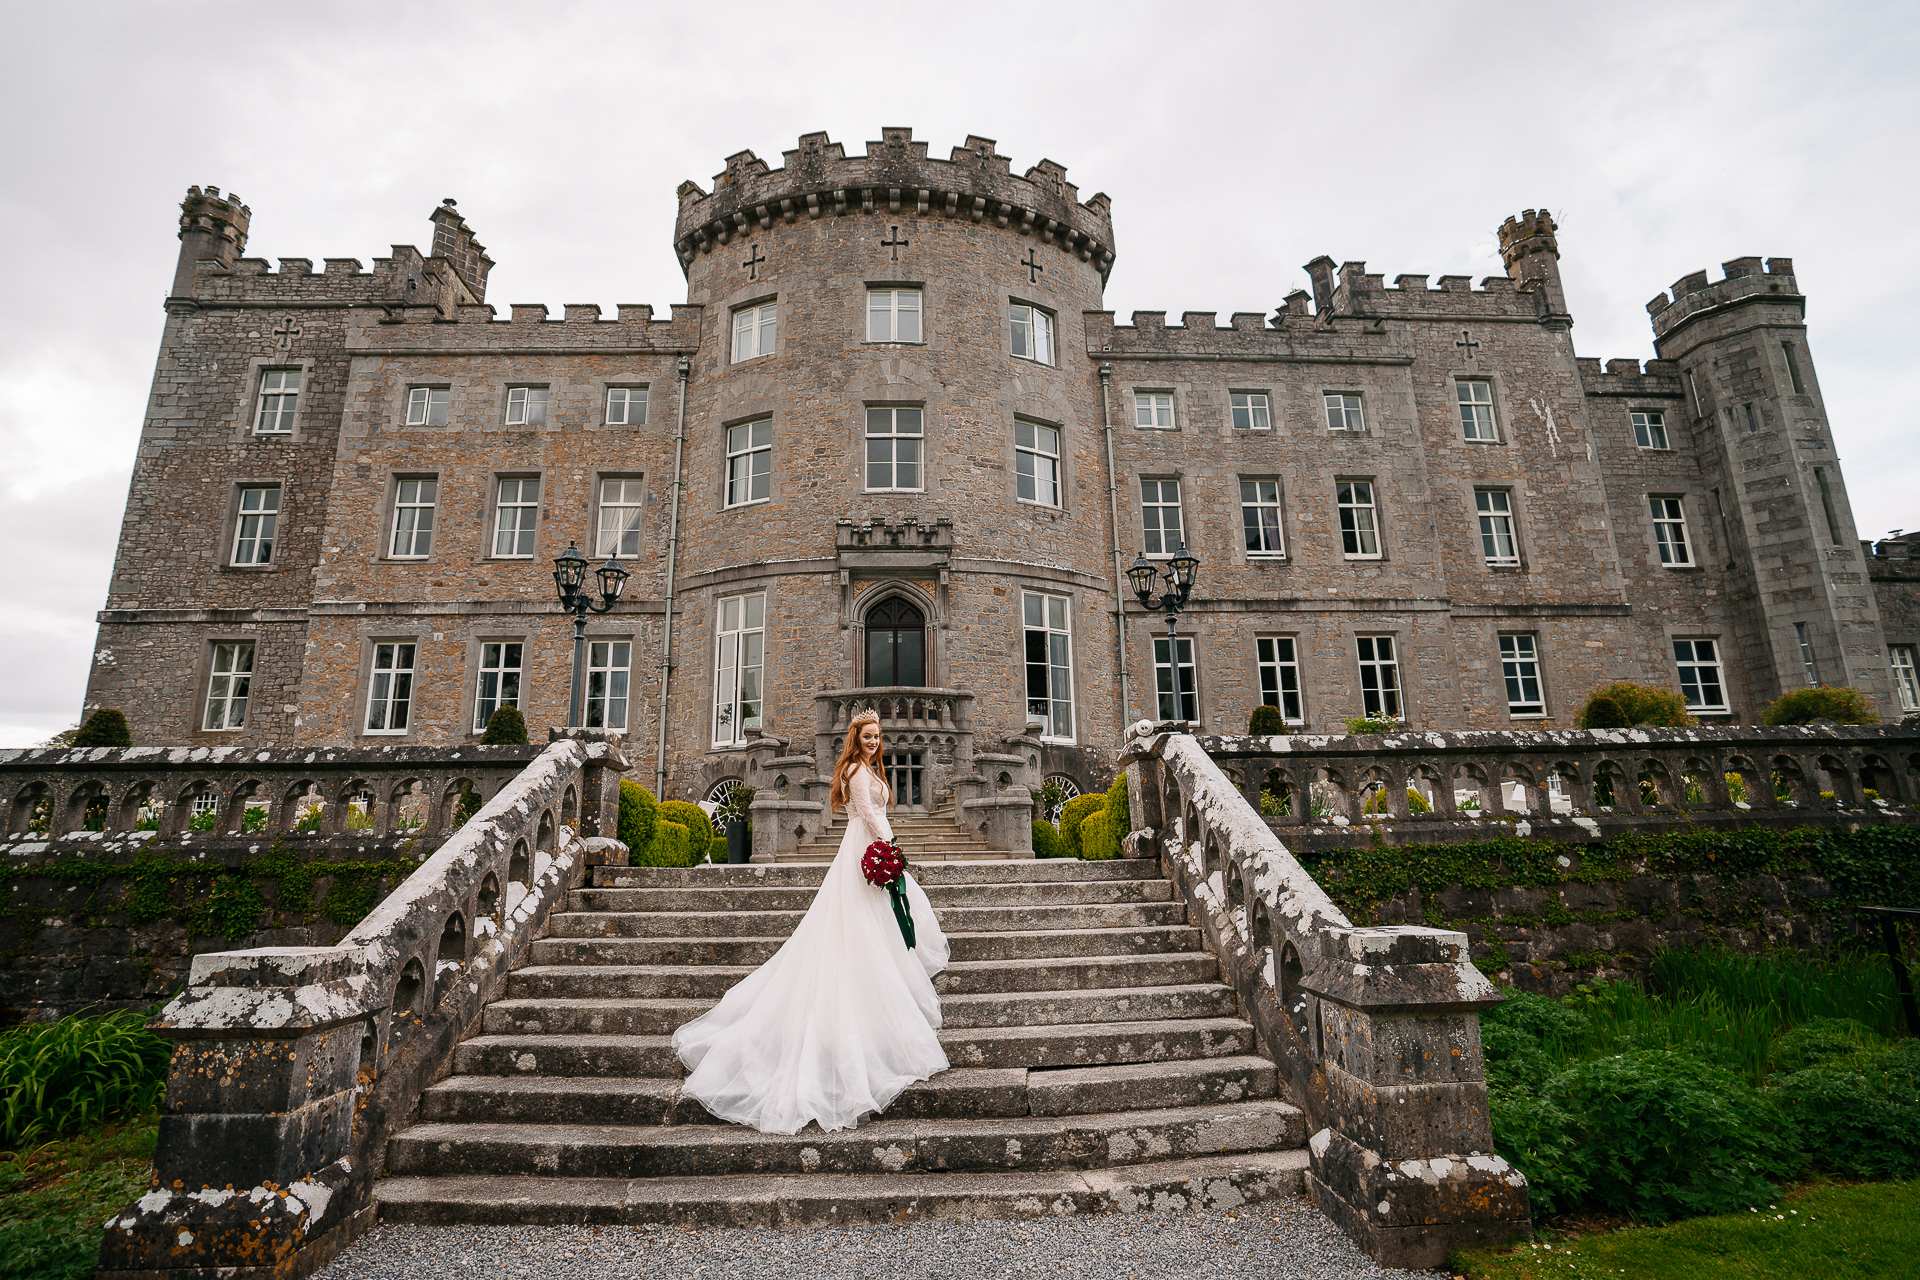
[[892, 451]]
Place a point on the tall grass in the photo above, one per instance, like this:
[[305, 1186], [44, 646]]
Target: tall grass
[[77, 1073]]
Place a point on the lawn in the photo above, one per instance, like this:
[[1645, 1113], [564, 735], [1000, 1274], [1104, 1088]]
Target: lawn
[[1831, 1231], [54, 1198]]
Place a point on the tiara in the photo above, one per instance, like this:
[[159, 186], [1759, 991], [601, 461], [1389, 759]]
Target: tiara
[[864, 716]]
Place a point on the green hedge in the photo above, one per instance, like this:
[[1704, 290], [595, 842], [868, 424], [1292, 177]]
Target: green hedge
[[1097, 842], [670, 847], [693, 818], [638, 812], [1073, 813], [1047, 842]]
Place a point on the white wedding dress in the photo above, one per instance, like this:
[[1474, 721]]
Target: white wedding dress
[[842, 1017]]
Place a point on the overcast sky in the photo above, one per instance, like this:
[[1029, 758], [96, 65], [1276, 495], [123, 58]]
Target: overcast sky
[[1237, 142]]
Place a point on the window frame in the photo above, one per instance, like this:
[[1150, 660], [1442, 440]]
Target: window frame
[[1906, 675], [1052, 666], [1153, 401], [1039, 455], [763, 322], [500, 670], [601, 506], [1358, 536], [744, 457], [534, 410], [626, 391], [1184, 659], [421, 395], [1472, 422], [895, 437], [1279, 517], [1355, 412], [1373, 702], [1280, 667], [1646, 424], [240, 517], [737, 718], [605, 673], [406, 699], [1263, 411], [1488, 519], [232, 674], [1663, 524], [1510, 674], [1039, 321], [398, 503], [283, 411], [894, 311], [1177, 506], [529, 535], [1716, 663]]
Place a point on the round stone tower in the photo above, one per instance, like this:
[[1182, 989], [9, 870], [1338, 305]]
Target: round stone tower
[[895, 486]]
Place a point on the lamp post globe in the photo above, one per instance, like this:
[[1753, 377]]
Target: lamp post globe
[[569, 577]]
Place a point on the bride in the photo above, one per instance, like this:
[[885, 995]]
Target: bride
[[843, 1016]]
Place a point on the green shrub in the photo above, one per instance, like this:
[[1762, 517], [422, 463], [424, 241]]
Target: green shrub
[[210, 819], [1637, 704], [694, 819], [1097, 841], [638, 812], [106, 727], [1841, 704], [670, 847], [1119, 817], [1540, 1138], [1371, 724], [717, 847], [1073, 813], [1603, 712], [506, 727], [1266, 721], [77, 1073], [1047, 842], [1416, 803]]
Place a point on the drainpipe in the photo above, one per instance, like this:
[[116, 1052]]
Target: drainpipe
[[1113, 521], [673, 561]]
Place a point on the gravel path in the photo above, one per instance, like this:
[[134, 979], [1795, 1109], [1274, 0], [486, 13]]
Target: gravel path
[[1282, 1239]]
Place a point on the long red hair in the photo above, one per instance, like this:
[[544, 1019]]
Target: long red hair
[[851, 758]]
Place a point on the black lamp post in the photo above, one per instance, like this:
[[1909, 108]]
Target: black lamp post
[[1179, 579], [570, 576]]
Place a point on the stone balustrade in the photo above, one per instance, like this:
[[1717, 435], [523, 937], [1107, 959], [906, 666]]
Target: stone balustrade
[[292, 1066], [1375, 1030]]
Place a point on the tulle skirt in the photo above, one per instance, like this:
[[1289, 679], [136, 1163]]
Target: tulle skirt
[[836, 1023]]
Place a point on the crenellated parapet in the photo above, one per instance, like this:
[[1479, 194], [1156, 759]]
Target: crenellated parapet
[[581, 325], [895, 176], [1660, 379], [1746, 281], [221, 218], [1246, 336]]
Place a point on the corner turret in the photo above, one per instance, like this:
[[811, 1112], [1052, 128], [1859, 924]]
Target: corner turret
[[453, 240], [211, 226], [1531, 253]]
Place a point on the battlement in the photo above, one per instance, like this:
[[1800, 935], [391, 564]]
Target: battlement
[[1531, 232], [819, 179], [1659, 379], [223, 218], [1248, 335], [453, 240], [1744, 279], [580, 325]]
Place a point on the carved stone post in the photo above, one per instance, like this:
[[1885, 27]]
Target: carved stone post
[[1406, 1163]]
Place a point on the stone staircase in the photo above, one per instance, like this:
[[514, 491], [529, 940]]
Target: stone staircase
[[927, 837], [1098, 1065]]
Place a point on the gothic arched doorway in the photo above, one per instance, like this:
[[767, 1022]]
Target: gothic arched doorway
[[896, 644]]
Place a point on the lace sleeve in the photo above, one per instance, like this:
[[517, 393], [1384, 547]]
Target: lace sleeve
[[864, 800]]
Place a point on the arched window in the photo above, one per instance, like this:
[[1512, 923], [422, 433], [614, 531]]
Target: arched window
[[896, 644]]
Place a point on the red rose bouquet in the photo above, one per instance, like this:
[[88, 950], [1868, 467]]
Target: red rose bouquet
[[885, 867]]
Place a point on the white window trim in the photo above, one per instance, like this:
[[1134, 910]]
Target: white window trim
[[425, 404], [626, 700], [630, 389], [1279, 665], [1148, 400], [374, 672], [213, 673], [721, 673], [1047, 628], [1265, 407], [728, 457], [242, 515], [393, 519], [1392, 663], [526, 401], [1359, 407], [1181, 642], [500, 508], [1481, 519], [1904, 664], [1661, 521], [1179, 504], [601, 506], [893, 312], [1493, 416], [760, 317], [290, 416], [1653, 416], [1280, 517], [1372, 507], [1059, 470], [500, 669], [1718, 665], [1531, 657], [893, 413], [1047, 323]]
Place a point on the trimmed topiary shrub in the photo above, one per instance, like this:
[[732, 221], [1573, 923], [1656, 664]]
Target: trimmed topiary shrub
[[1046, 841], [1638, 704], [1118, 816], [106, 727], [638, 813], [1266, 721], [694, 819], [670, 847], [1097, 841], [506, 727], [1842, 704], [1073, 813], [1604, 713]]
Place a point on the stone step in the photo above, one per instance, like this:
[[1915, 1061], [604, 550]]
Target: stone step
[[1110, 1139], [757, 924], [799, 897], [1067, 1045], [784, 874], [966, 977], [961, 1093], [1031, 945], [601, 1015], [782, 1200]]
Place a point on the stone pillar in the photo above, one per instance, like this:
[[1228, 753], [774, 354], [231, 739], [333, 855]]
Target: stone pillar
[[252, 1168], [1406, 1163]]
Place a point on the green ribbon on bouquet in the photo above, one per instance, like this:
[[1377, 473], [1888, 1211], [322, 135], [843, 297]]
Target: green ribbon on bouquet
[[902, 913]]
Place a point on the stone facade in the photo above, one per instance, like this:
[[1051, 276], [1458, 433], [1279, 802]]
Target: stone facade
[[797, 255]]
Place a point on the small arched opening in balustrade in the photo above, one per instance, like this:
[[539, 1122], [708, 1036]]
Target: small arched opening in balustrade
[[198, 809], [1424, 781], [1277, 795], [1519, 787], [1840, 785], [1747, 783], [86, 809], [543, 834], [487, 901], [136, 811], [1472, 791], [1565, 789], [246, 808], [31, 811], [458, 803], [1879, 777], [407, 807], [1610, 787], [1658, 787], [1329, 795], [409, 997], [1791, 786], [450, 957], [570, 808], [518, 867]]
